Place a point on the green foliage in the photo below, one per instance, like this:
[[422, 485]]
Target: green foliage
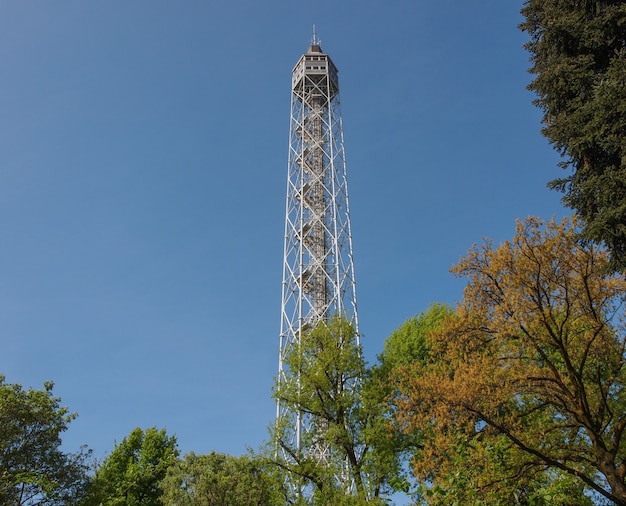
[[393, 446], [33, 469], [132, 474], [329, 392], [407, 343], [217, 479], [578, 51]]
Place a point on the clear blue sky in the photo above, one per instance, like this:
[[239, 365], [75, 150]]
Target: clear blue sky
[[143, 164]]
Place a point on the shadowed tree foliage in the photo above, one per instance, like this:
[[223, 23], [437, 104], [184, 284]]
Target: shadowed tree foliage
[[578, 52], [526, 382], [34, 471], [132, 474]]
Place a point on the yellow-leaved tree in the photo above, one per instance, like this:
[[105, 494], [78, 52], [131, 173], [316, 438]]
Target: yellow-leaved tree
[[525, 383]]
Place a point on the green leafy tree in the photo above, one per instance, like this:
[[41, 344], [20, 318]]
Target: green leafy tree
[[217, 479], [132, 474], [329, 391], [34, 471], [525, 396], [396, 447], [407, 344], [578, 52]]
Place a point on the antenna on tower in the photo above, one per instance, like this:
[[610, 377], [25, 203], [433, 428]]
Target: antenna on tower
[[315, 42]]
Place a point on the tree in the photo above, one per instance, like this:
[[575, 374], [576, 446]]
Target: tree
[[328, 391], [466, 461], [527, 380], [406, 345], [133, 473], [578, 52], [217, 479], [33, 468]]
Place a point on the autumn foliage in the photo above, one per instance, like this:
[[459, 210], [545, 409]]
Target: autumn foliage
[[522, 390]]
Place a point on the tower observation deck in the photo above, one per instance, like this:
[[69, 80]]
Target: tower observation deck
[[318, 269]]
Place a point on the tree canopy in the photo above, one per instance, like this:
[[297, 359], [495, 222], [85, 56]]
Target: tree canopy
[[132, 474], [396, 447], [578, 52], [34, 471], [528, 376], [336, 459], [217, 479]]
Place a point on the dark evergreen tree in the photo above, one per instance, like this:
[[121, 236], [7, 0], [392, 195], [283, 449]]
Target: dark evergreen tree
[[578, 52]]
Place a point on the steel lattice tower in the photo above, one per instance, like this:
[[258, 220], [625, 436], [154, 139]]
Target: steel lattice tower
[[318, 269]]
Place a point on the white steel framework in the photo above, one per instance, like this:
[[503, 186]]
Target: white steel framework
[[318, 268]]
